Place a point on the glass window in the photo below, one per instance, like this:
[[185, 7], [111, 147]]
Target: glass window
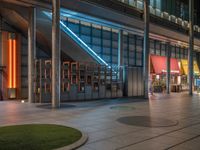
[[178, 52], [195, 55], [158, 51], [173, 55], [74, 27], [158, 4], [139, 44], [152, 3], [96, 32], [106, 35], [139, 59], [115, 60], [139, 50], [186, 53], [86, 30], [97, 49], [163, 49], [132, 58], [106, 43], [96, 41], [132, 2], [152, 47], [106, 50], [182, 53], [125, 48], [86, 39]]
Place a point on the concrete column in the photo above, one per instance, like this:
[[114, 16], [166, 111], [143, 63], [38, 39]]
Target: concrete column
[[191, 46], [146, 49], [56, 53], [168, 63], [31, 52]]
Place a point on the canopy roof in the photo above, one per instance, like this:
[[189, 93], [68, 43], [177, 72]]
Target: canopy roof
[[159, 65], [184, 64]]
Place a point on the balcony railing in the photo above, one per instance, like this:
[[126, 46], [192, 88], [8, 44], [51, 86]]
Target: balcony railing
[[164, 15]]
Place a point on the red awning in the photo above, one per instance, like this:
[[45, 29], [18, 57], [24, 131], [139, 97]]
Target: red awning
[[159, 65]]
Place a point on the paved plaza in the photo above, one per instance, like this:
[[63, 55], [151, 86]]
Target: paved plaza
[[163, 122]]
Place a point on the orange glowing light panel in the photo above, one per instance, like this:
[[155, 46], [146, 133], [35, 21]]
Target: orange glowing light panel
[[14, 64], [12, 61]]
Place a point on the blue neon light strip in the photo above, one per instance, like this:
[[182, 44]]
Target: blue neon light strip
[[79, 41]]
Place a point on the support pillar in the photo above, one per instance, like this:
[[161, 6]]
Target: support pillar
[[191, 46], [120, 54], [120, 49], [121, 61], [31, 52], [146, 50], [56, 54], [168, 63]]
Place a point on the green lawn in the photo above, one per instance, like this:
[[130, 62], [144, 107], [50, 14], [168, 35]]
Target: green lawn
[[37, 137]]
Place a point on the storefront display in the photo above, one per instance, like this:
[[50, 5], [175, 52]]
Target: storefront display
[[82, 77], [48, 76], [66, 76], [158, 85]]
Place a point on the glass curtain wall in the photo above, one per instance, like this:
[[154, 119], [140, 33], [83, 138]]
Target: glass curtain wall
[[159, 48], [104, 41], [133, 49]]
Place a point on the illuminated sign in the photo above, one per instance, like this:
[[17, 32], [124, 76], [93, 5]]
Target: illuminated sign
[[172, 71]]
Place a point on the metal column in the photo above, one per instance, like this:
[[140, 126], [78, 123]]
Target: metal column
[[120, 49], [31, 52], [191, 46], [120, 54], [168, 63], [56, 53], [146, 49], [121, 60]]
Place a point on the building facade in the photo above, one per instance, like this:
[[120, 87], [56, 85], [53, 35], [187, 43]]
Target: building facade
[[102, 49]]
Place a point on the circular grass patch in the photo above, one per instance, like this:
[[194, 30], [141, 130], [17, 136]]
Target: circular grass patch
[[147, 121], [37, 137]]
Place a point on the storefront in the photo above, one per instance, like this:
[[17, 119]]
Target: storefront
[[158, 74], [184, 72]]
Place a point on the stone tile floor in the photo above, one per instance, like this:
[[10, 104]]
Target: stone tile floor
[[99, 121]]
